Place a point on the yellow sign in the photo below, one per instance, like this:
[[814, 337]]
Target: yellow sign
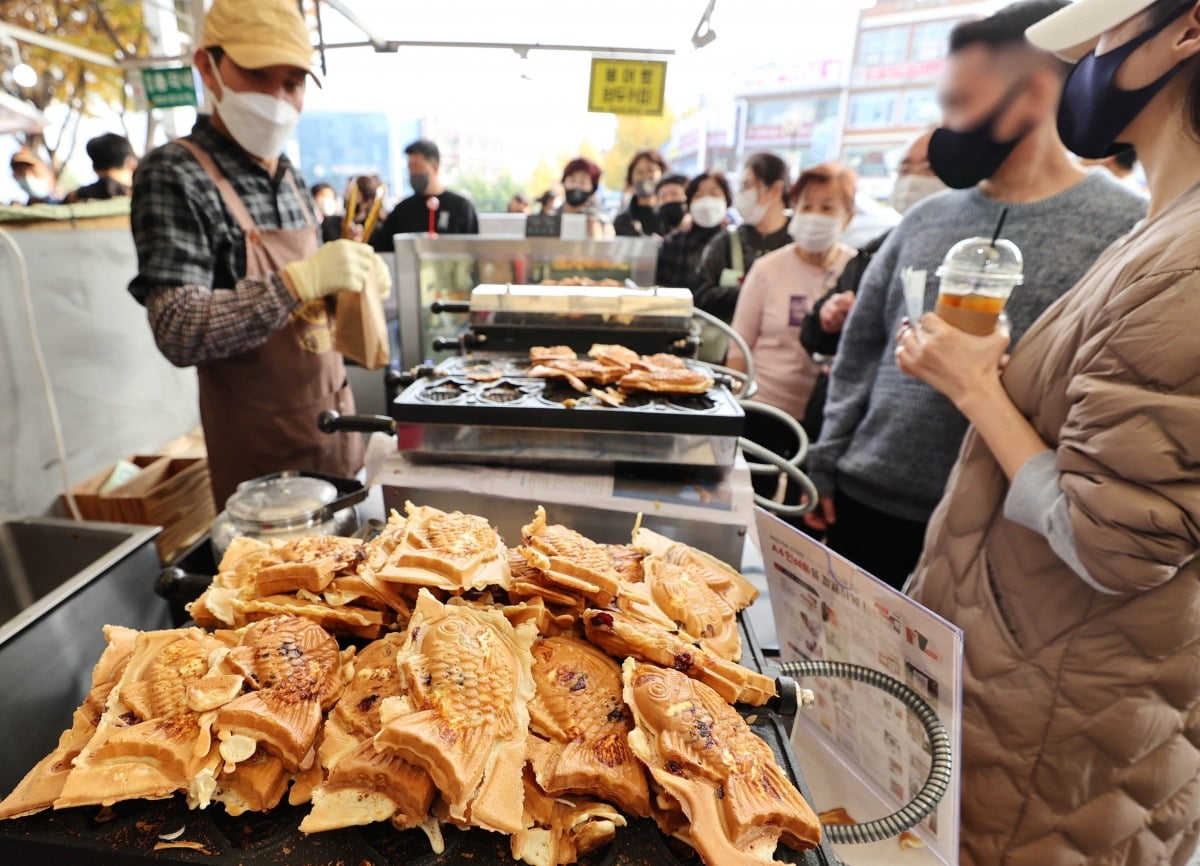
[[628, 86]]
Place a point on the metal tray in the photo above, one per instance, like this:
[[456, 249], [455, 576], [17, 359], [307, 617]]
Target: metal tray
[[535, 403], [129, 835]]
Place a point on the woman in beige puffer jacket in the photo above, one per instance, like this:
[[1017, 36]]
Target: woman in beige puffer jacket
[[1067, 544]]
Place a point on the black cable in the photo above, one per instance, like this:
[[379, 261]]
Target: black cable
[[936, 783]]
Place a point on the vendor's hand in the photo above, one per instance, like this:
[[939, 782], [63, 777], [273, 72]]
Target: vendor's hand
[[338, 266], [952, 361], [823, 516], [835, 311]]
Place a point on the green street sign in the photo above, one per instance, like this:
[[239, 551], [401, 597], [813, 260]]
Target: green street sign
[[169, 87]]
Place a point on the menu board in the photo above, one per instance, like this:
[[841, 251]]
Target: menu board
[[826, 608]]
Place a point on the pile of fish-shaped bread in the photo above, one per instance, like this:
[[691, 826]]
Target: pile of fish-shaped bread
[[608, 365], [491, 697]]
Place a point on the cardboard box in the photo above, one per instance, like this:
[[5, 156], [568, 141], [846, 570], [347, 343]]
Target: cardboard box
[[171, 492]]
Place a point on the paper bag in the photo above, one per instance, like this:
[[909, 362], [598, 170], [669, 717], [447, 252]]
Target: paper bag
[[360, 327]]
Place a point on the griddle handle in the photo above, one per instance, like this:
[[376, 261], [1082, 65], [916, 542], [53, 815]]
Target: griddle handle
[[175, 583], [332, 421], [450, 307]]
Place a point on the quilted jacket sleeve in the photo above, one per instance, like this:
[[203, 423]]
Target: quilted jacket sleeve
[[1130, 448]]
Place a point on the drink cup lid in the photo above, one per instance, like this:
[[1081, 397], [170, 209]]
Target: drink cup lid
[[980, 260]]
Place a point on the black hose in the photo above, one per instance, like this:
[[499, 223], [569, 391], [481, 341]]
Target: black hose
[[936, 783]]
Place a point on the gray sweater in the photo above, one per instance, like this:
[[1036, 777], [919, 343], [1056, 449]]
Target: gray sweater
[[889, 440]]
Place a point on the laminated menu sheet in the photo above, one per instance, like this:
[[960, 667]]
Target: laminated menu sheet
[[826, 608]]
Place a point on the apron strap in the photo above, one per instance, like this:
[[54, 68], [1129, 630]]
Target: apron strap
[[309, 219], [228, 194]]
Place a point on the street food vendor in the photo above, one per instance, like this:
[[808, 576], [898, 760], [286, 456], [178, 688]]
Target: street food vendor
[[229, 267]]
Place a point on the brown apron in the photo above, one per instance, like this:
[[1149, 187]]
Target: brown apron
[[259, 409]]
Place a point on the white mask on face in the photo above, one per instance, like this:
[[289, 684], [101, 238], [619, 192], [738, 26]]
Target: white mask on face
[[35, 187], [815, 232], [748, 205], [258, 122], [912, 188], [708, 211], [327, 206]]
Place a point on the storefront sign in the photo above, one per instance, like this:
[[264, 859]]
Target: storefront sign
[[827, 608], [628, 86], [169, 88]]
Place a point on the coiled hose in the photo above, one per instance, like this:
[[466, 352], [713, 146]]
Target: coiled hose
[[749, 385], [936, 783]]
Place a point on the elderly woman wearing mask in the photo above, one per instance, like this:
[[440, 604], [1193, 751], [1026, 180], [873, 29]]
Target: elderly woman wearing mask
[[707, 200], [781, 288]]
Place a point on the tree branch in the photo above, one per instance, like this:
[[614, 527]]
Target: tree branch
[[106, 26]]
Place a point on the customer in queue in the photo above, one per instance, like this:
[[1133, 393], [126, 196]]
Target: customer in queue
[[229, 267], [671, 195], [762, 204], [707, 199], [640, 218], [888, 440], [35, 178], [1067, 545], [113, 161], [822, 328], [580, 180], [352, 225], [431, 208]]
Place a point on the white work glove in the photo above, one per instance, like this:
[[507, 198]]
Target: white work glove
[[338, 266]]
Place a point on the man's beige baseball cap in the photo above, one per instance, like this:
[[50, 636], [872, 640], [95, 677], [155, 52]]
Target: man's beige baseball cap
[[259, 33], [1073, 31]]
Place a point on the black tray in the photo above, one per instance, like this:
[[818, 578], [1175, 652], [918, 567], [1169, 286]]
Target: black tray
[[74, 836], [538, 405]]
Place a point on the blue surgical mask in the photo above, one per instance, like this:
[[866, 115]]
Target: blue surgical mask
[[1094, 111]]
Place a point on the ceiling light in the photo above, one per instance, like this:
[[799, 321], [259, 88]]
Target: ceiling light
[[24, 75]]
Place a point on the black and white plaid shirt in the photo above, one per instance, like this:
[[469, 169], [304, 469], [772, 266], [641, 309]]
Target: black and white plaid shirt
[[192, 255]]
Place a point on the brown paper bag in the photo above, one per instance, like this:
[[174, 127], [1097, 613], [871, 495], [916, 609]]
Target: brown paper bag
[[360, 327]]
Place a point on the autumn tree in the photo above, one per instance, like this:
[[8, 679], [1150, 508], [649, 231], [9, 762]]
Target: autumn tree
[[634, 133], [114, 28]]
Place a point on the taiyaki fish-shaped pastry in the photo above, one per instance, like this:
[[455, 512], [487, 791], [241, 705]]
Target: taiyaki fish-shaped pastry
[[569, 560], [529, 583], [571, 372], [148, 742], [464, 715], [738, 801], [542, 354], [721, 578], [453, 552], [578, 726], [558, 830], [627, 561], [621, 357], [309, 563], [44, 783], [696, 610], [659, 361], [363, 785], [665, 380], [294, 670], [622, 634]]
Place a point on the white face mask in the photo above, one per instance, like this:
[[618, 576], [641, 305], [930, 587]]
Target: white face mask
[[260, 123], [815, 232], [327, 206], [911, 188], [748, 205], [708, 211], [35, 187]]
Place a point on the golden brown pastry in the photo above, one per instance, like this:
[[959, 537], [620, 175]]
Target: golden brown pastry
[[363, 785], [578, 726], [464, 713], [696, 610], [666, 380], [559, 829], [454, 552], [569, 561], [44, 783], [738, 801], [622, 634], [725, 580]]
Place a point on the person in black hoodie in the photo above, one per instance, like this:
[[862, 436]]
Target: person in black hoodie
[[822, 328]]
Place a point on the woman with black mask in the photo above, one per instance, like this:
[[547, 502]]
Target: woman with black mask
[[1068, 542], [640, 218], [580, 180]]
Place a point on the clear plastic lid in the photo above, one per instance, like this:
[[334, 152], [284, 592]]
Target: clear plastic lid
[[280, 502], [979, 261]]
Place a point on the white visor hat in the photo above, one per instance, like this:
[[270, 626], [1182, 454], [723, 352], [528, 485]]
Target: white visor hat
[[1073, 31]]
